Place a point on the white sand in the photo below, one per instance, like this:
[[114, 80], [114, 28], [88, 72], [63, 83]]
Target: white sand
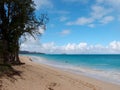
[[42, 77]]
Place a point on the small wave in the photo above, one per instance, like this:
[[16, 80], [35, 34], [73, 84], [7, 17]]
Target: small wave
[[105, 75]]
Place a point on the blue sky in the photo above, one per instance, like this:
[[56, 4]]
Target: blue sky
[[78, 26]]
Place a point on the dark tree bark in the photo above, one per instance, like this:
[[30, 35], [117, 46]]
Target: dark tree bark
[[17, 18]]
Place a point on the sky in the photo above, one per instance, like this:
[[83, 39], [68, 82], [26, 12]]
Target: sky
[[77, 27]]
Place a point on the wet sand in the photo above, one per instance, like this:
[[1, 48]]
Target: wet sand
[[42, 77]]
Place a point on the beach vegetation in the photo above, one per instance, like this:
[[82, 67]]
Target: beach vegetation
[[17, 19]]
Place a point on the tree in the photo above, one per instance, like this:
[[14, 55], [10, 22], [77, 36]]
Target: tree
[[17, 18]]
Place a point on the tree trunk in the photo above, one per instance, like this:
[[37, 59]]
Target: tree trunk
[[7, 56], [1, 52], [17, 52], [5, 52]]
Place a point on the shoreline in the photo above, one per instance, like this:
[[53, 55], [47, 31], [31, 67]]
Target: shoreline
[[43, 77], [85, 71]]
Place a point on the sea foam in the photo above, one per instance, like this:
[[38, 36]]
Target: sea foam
[[107, 75]]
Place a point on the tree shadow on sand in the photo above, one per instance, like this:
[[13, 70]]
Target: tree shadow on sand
[[8, 72]]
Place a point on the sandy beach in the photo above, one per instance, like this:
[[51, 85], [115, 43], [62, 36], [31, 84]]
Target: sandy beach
[[42, 77]]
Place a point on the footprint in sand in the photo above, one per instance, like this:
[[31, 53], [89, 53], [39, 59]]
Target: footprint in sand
[[51, 86]]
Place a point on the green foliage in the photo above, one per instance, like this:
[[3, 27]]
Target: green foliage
[[17, 18]]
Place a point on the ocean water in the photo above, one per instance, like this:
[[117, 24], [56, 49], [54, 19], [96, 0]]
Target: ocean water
[[103, 67]]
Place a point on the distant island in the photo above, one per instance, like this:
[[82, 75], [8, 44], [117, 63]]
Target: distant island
[[28, 52]]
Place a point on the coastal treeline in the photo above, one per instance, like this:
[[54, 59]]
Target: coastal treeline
[[17, 19]]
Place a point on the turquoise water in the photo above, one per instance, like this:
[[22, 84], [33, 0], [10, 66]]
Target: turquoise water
[[93, 61], [98, 66]]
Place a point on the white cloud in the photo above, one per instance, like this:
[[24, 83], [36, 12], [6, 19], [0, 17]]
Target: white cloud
[[34, 45], [81, 21], [63, 12], [63, 18], [91, 25], [107, 19], [115, 45], [113, 3], [43, 3], [71, 48], [98, 11], [48, 47], [98, 14], [65, 32], [41, 29], [76, 1], [30, 44], [99, 1]]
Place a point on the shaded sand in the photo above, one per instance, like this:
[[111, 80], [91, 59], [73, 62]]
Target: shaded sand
[[41, 77]]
